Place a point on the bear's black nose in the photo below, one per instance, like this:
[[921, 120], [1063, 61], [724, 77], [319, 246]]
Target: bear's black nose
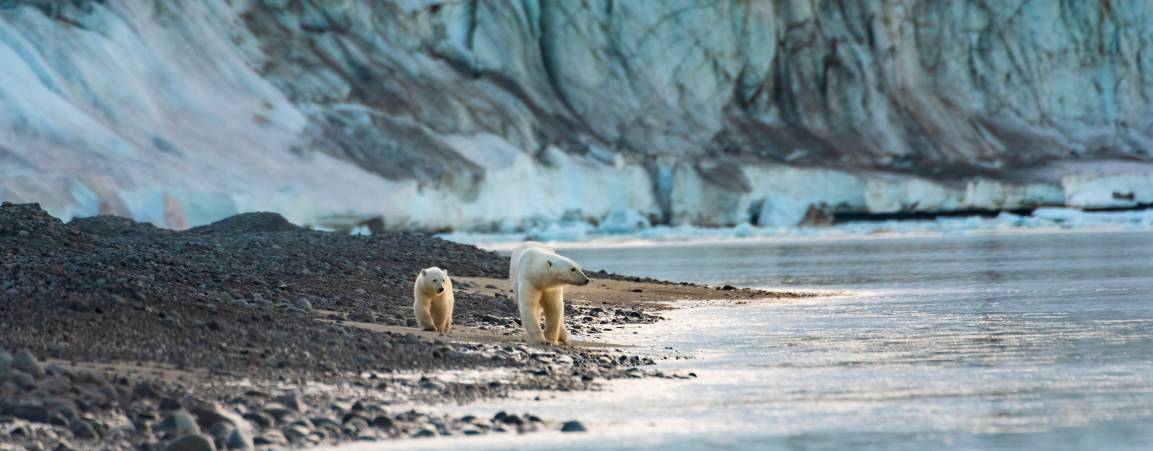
[[440, 290]]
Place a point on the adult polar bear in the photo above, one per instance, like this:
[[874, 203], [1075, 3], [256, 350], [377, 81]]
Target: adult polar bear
[[538, 277]]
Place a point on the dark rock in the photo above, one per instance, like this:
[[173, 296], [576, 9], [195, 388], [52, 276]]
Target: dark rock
[[278, 410], [425, 431], [573, 426], [382, 422], [325, 422], [33, 411], [239, 439], [83, 430], [247, 223], [144, 390], [261, 420], [63, 407], [295, 432], [168, 404], [64, 445], [271, 437], [191, 442], [512, 419], [220, 431]]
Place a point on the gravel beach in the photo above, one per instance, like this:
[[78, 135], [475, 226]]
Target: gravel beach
[[251, 332]]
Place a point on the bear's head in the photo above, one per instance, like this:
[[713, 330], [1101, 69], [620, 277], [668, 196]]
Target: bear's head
[[435, 280], [566, 271]]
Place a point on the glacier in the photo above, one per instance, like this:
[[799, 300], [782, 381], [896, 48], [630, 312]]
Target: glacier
[[567, 119]]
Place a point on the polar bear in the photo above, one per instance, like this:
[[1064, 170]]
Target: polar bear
[[433, 299], [539, 277], [520, 250]]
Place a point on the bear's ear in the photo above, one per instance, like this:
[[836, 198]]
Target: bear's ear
[[423, 271], [445, 271], [549, 263]]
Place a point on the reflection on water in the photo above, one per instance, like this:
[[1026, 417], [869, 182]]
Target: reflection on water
[[992, 342]]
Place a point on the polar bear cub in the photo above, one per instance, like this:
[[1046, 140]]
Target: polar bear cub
[[433, 299], [539, 276]]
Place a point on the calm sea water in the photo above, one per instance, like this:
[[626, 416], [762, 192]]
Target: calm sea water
[[1032, 341]]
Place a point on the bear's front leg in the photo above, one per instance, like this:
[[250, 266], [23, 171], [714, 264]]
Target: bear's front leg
[[424, 319], [446, 321], [553, 303], [526, 302]]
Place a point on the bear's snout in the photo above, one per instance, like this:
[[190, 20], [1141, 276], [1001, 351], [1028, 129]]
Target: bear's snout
[[440, 290]]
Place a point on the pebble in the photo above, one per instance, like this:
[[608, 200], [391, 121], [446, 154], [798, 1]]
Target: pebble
[[425, 431], [5, 363], [83, 430], [295, 432], [26, 362], [573, 426], [277, 410], [325, 422], [239, 439], [271, 437], [291, 401], [21, 379], [304, 304], [179, 423], [191, 442], [259, 419], [33, 411], [382, 422], [167, 404]]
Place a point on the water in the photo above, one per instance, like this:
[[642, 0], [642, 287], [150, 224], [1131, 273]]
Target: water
[[1020, 341]]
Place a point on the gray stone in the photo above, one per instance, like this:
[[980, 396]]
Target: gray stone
[[303, 304], [5, 363], [21, 379], [239, 439], [292, 401], [179, 423], [191, 442], [26, 362]]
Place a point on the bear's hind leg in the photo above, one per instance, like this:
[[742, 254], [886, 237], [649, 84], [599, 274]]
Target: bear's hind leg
[[437, 310], [528, 315], [446, 322]]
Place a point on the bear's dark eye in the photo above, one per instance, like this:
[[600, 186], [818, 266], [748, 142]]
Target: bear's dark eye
[[573, 270]]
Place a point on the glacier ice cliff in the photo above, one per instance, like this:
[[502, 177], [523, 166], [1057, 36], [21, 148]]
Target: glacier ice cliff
[[492, 114]]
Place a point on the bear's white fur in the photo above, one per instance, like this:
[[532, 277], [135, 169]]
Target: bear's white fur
[[516, 255], [539, 277], [433, 299]]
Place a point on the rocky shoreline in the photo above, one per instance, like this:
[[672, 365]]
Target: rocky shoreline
[[251, 332]]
